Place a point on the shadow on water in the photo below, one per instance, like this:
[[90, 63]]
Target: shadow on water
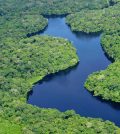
[[107, 56], [36, 33], [50, 77], [92, 35], [55, 16], [65, 90], [108, 102]]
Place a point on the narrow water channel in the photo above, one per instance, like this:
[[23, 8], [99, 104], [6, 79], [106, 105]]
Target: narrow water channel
[[65, 90]]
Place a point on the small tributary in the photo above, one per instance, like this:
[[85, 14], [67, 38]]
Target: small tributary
[[65, 90]]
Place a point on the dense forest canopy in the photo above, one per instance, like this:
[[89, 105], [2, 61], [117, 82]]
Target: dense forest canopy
[[21, 54], [9, 128], [48, 7], [106, 83], [106, 21], [19, 26]]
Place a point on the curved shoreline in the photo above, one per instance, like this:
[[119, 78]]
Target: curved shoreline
[[43, 81], [22, 61]]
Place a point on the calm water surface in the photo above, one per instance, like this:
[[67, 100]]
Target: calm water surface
[[65, 90]]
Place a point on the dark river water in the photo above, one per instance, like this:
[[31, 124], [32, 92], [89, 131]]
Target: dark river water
[[65, 90]]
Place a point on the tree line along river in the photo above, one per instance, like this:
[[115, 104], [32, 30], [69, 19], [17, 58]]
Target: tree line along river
[[65, 90]]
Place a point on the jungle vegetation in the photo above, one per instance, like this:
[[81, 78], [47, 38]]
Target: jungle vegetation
[[7, 127], [107, 21], [50, 7], [25, 60], [106, 83], [19, 26]]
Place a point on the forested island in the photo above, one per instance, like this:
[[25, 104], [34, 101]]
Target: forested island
[[27, 58]]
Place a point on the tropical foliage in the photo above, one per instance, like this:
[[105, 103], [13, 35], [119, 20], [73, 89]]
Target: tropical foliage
[[105, 20], [104, 83], [19, 26], [36, 56], [9, 128], [48, 7], [25, 60], [111, 45]]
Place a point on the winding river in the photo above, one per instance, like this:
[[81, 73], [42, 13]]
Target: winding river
[[65, 90]]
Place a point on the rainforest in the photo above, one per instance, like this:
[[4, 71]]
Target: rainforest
[[60, 67]]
